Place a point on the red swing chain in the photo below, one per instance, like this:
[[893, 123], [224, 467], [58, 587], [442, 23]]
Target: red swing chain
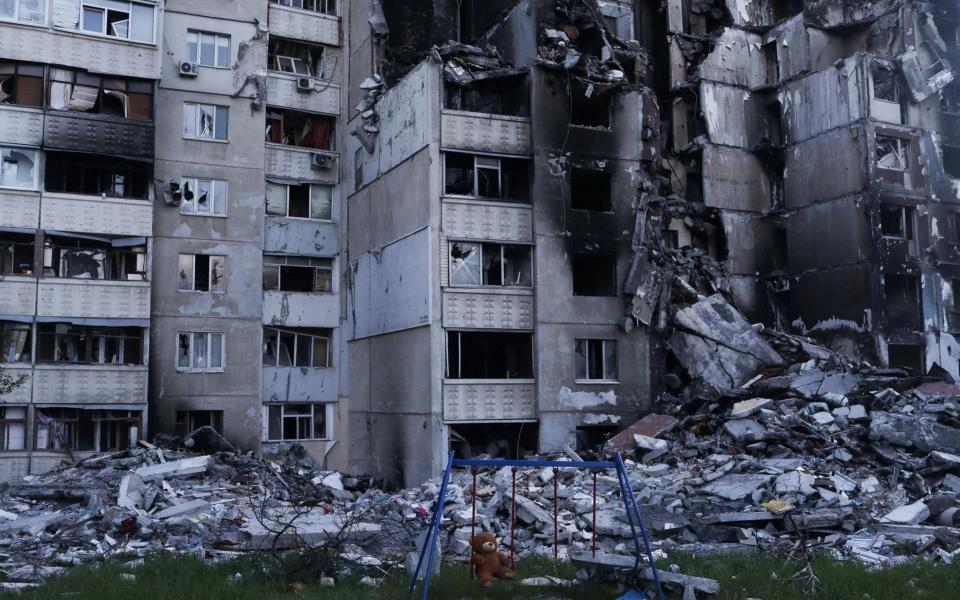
[[473, 517]]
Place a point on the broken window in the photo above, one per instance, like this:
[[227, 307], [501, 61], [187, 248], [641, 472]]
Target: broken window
[[188, 421], [902, 300], [486, 177], [297, 274], [293, 128], [589, 107], [117, 18], [86, 430], [596, 360], [594, 275], [893, 159], [906, 356], [304, 201], [896, 222], [16, 254], [200, 352], [489, 355], [951, 161], [295, 422], [208, 49], [80, 91], [64, 342], [886, 86], [18, 168], [490, 264], [202, 273], [308, 348], [14, 342], [505, 95], [326, 7], [13, 424], [205, 121], [203, 197], [98, 175], [27, 11], [296, 58], [21, 83], [91, 258], [590, 190]]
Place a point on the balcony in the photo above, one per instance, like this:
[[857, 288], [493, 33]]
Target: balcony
[[294, 384], [487, 309], [301, 309], [304, 237], [20, 395], [467, 401], [89, 384], [18, 295], [19, 208], [93, 133], [485, 220], [304, 25], [96, 214], [22, 126], [294, 162], [485, 132], [283, 91], [94, 299]]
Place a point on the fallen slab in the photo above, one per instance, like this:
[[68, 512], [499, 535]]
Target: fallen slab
[[618, 562], [176, 468]]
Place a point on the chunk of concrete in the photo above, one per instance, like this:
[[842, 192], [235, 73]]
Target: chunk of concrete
[[651, 448], [823, 418], [736, 486], [651, 425], [182, 510], [909, 514], [795, 482], [745, 408], [919, 432], [745, 430], [858, 412], [176, 468], [130, 494], [952, 483]]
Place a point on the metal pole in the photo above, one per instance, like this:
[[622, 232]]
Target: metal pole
[[436, 530], [556, 539], [593, 548], [513, 519], [628, 490], [473, 517]]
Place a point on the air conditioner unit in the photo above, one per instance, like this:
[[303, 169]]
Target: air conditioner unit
[[321, 161], [304, 84], [188, 69]]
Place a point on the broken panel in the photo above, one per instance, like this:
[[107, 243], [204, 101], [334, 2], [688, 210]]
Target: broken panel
[[79, 91], [506, 95], [489, 355]]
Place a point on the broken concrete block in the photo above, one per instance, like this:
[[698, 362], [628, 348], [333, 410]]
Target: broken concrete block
[[823, 418], [182, 510], [920, 432], [651, 448], [745, 430], [736, 486], [745, 408], [945, 458], [910, 514], [176, 468], [651, 425], [952, 483], [795, 482], [130, 494], [530, 512], [858, 412]]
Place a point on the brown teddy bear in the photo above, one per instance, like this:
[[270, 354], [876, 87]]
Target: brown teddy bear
[[487, 562]]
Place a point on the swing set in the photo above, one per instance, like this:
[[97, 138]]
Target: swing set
[[429, 549]]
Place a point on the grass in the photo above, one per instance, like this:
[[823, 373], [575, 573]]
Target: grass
[[762, 576]]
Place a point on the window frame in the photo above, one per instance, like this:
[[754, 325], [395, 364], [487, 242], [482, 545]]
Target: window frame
[[210, 270], [16, 14], [6, 421], [604, 344], [310, 201], [502, 247], [268, 263], [293, 359], [217, 37], [94, 348], [104, 10], [316, 3], [35, 185], [197, 122], [10, 333], [17, 75], [215, 185], [312, 417], [208, 335], [133, 418]]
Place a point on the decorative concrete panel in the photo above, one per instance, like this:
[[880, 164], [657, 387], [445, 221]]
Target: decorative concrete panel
[[289, 162], [79, 132], [293, 384], [20, 395], [21, 126], [487, 311], [485, 133], [300, 309], [487, 221], [94, 299], [19, 209], [501, 401], [17, 295], [304, 25], [282, 92], [89, 385], [93, 214]]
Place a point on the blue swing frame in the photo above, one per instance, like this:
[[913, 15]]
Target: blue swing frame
[[429, 548]]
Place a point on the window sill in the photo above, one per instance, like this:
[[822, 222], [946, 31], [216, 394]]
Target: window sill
[[305, 219], [495, 290], [203, 215], [18, 189], [298, 441], [200, 292], [50, 365], [489, 381], [305, 149], [294, 76], [199, 372], [41, 25], [95, 197], [304, 293], [485, 199], [199, 139], [103, 36], [596, 382]]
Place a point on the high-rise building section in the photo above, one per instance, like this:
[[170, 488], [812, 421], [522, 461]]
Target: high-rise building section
[[77, 123]]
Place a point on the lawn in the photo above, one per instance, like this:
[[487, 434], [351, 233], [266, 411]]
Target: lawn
[[741, 577]]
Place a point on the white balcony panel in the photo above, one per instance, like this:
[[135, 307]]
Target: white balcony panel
[[19, 209], [304, 25], [485, 133], [487, 220], [93, 214], [20, 395], [94, 299], [487, 311], [489, 401], [290, 162], [282, 91], [98, 54], [89, 384], [21, 126], [300, 309], [303, 237], [17, 295], [293, 384]]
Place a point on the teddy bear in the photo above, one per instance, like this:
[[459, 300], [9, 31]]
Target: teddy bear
[[487, 562]]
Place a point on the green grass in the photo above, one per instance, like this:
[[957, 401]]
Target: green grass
[[762, 576]]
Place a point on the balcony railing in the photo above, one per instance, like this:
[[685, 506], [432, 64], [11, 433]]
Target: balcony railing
[[465, 401], [485, 132]]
